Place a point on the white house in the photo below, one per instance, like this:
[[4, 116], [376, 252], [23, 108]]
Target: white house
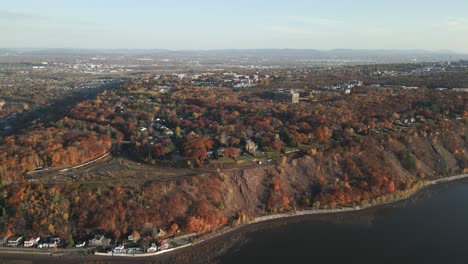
[[31, 242], [119, 249], [80, 245], [4, 241], [153, 248], [14, 241], [98, 240], [220, 152]]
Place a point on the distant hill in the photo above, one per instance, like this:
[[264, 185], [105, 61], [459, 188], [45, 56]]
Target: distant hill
[[322, 53], [275, 55]]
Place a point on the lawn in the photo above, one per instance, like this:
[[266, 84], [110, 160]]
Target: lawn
[[274, 154], [222, 160]]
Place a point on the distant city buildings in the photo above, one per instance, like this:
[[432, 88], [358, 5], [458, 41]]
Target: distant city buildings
[[345, 87]]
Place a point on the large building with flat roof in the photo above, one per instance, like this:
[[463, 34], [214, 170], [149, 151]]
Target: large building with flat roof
[[286, 96]]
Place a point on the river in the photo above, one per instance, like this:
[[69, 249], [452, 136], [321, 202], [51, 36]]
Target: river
[[431, 227]]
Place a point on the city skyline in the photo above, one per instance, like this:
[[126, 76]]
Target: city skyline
[[205, 25]]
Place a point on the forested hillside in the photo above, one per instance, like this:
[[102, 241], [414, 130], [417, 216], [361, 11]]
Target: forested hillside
[[345, 149]]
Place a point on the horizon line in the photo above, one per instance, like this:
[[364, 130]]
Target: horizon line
[[241, 49]]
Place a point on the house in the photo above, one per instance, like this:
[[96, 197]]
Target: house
[[31, 242], [98, 240], [56, 240], [250, 146], [14, 241], [153, 248], [162, 245], [220, 152], [133, 250], [52, 242], [160, 233], [4, 241], [135, 236], [164, 89], [345, 86], [119, 249], [80, 245], [209, 154], [356, 83], [179, 75]]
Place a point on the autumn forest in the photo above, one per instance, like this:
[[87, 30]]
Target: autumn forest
[[249, 155]]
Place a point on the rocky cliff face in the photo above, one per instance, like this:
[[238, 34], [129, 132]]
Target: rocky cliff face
[[369, 169]]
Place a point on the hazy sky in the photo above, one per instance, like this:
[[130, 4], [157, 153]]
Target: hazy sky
[[218, 24]]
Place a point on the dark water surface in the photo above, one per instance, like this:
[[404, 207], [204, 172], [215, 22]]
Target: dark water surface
[[430, 228]]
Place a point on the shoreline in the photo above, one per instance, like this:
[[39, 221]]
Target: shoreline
[[210, 235], [261, 219], [202, 238]]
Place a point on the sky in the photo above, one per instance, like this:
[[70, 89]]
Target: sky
[[240, 24]]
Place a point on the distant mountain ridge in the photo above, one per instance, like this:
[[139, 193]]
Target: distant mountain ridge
[[272, 55], [232, 51]]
